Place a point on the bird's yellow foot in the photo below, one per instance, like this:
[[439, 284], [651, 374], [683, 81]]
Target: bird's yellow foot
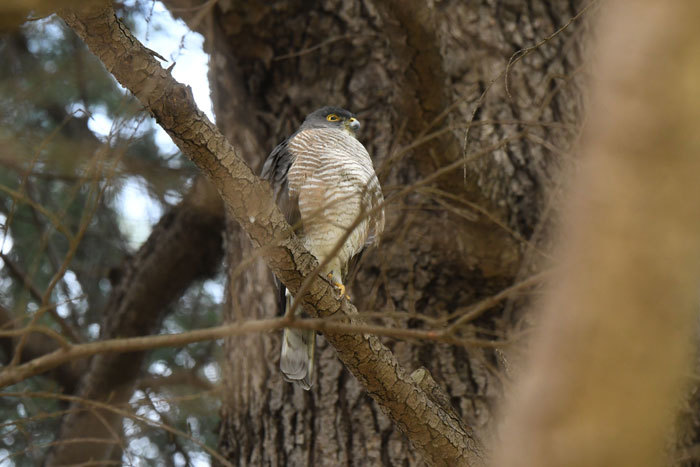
[[338, 285]]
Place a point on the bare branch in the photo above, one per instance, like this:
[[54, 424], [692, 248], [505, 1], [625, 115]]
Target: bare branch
[[12, 375]]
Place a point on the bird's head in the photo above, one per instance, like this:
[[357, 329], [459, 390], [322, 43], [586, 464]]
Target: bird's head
[[333, 117]]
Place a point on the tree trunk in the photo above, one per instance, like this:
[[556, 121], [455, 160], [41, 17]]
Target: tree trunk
[[413, 73]]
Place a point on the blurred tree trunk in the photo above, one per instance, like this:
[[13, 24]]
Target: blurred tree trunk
[[409, 70], [612, 355]]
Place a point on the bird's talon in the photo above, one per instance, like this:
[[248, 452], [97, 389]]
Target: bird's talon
[[338, 285]]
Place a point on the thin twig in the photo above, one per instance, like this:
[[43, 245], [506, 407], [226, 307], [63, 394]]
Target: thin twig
[[12, 375], [20, 276], [522, 53]]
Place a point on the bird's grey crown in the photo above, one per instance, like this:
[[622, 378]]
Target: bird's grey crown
[[317, 118]]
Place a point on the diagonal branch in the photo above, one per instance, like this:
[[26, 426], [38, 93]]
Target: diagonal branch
[[435, 433]]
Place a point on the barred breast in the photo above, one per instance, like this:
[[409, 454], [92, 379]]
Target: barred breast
[[337, 189]]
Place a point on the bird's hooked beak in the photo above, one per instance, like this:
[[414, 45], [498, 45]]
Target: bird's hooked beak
[[352, 124]]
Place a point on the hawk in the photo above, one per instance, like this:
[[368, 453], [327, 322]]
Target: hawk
[[324, 183]]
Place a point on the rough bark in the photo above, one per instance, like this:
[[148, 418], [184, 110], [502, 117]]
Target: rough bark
[[184, 246], [400, 65], [434, 433]]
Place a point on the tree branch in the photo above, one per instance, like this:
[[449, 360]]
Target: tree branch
[[433, 432], [36, 346], [48, 361]]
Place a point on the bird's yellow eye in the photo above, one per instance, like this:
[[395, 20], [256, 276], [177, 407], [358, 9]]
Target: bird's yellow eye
[[332, 118]]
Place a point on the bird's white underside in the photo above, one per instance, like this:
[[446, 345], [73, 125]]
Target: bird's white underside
[[334, 178]]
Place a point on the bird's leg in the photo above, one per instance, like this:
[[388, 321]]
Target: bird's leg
[[338, 285]]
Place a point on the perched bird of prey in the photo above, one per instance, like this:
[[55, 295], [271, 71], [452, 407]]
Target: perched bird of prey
[[324, 183]]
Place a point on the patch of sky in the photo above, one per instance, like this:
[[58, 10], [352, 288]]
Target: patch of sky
[[215, 289], [5, 462], [159, 368], [160, 403], [75, 298], [212, 372], [172, 197], [184, 359], [44, 34], [93, 331], [5, 237], [139, 211]]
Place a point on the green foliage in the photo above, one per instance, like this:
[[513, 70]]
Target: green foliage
[[66, 232]]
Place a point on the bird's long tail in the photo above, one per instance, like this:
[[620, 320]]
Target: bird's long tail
[[297, 358]]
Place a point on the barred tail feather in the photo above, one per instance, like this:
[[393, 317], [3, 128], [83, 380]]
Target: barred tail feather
[[297, 358]]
